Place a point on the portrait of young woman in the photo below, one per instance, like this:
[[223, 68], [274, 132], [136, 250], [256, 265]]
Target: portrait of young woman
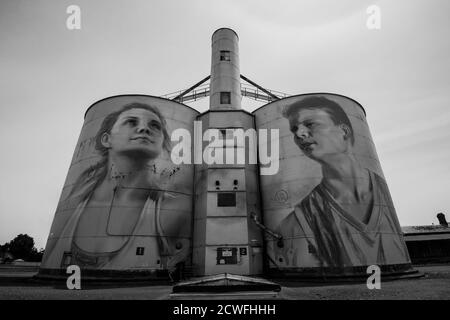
[[115, 205]]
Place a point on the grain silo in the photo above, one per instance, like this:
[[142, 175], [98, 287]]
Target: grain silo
[[126, 208], [130, 208], [329, 205]]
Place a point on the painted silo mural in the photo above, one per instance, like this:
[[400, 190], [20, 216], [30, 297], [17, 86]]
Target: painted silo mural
[[125, 205], [315, 193], [329, 201]]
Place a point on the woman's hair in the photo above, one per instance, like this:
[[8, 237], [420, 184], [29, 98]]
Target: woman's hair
[[93, 175], [337, 114]]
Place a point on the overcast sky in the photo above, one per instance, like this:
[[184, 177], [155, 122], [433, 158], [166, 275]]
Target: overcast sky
[[50, 75]]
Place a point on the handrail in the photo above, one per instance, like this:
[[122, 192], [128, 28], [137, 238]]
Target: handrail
[[248, 89]]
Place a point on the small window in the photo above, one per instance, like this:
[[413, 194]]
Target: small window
[[226, 199], [225, 97], [140, 251], [225, 56]]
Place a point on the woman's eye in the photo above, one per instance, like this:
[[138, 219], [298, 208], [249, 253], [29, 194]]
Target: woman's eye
[[155, 126], [131, 122]]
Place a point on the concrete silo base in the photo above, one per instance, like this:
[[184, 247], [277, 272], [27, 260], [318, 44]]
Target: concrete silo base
[[226, 282], [348, 274], [157, 276]]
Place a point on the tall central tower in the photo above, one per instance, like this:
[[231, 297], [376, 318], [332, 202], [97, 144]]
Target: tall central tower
[[225, 239], [225, 84]]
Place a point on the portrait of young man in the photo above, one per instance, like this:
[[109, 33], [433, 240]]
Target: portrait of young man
[[348, 219]]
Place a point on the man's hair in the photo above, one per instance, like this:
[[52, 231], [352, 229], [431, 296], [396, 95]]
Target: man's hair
[[337, 114]]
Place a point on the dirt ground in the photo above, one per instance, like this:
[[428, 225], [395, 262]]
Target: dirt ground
[[434, 285]]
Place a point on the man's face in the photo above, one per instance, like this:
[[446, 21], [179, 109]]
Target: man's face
[[136, 131], [316, 134]]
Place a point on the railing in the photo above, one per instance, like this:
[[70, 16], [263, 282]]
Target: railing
[[257, 94], [247, 90], [198, 93]]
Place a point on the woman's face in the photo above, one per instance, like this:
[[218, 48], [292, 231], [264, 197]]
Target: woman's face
[[137, 132]]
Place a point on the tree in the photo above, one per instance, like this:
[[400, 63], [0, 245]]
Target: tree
[[5, 247], [35, 255], [21, 247]]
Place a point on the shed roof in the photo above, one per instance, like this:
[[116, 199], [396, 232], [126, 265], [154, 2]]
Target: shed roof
[[425, 229]]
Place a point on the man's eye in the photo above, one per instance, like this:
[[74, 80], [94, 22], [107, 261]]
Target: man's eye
[[131, 122]]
